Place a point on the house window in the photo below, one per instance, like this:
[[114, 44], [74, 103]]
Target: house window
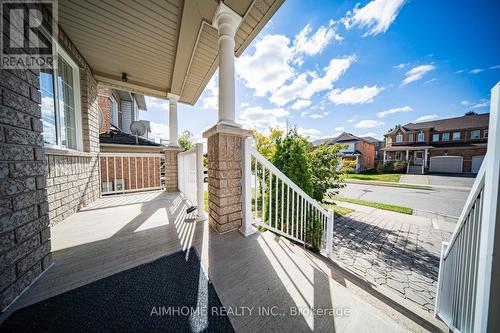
[[435, 137], [446, 136], [399, 138], [419, 154], [421, 137], [410, 137], [60, 89], [398, 155], [389, 141], [456, 135], [476, 134], [485, 135], [114, 111]]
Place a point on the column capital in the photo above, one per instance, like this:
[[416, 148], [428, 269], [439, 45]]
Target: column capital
[[173, 97], [226, 17]]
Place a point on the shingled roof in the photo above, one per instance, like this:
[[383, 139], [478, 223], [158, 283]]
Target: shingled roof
[[472, 121], [115, 136]]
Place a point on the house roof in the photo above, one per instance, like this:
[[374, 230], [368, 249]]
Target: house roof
[[163, 47], [344, 137], [115, 136], [472, 121]]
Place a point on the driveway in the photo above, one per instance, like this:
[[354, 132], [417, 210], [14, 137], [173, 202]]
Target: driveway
[[451, 180], [439, 200]]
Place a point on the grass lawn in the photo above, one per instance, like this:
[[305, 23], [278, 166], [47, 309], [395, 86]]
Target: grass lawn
[[381, 177], [398, 209], [339, 210]]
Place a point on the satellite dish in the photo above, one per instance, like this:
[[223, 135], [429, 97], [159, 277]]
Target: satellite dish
[[138, 128]]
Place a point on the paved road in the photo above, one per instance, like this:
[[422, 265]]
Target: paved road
[[437, 200]]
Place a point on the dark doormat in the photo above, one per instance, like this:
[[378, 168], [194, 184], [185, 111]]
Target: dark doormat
[[169, 294]]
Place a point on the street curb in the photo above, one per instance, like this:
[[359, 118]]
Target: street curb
[[388, 184]]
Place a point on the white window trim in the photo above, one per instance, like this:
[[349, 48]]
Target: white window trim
[[113, 100], [459, 136], [447, 138], [478, 134], [421, 135], [410, 137], [399, 138], [433, 136], [60, 52], [485, 134]]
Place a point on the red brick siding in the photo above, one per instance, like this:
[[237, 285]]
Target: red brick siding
[[367, 158], [105, 107]]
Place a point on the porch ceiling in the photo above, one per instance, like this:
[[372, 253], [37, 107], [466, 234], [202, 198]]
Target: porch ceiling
[[164, 46]]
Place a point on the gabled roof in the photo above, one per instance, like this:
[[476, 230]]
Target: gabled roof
[[463, 122], [344, 137], [115, 136]]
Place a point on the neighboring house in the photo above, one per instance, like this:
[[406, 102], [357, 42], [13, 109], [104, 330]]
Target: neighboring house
[[453, 145], [360, 150], [378, 145]]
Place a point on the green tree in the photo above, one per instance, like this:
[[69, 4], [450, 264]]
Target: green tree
[[326, 170], [186, 140], [266, 145]]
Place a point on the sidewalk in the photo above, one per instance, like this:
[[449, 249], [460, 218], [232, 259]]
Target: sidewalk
[[395, 251]]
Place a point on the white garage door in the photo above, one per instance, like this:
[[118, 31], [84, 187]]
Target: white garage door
[[448, 164], [476, 163]]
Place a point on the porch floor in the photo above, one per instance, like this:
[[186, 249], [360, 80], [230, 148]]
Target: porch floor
[[257, 272]]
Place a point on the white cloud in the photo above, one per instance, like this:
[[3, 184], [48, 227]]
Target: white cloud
[[426, 118], [309, 114], [300, 104], [352, 119], [303, 88], [460, 71], [312, 133], [465, 102], [211, 94], [400, 66], [430, 81], [153, 103], [382, 114], [339, 129], [482, 104], [495, 67], [355, 95], [416, 73], [368, 123], [314, 44], [244, 104], [159, 130], [268, 67], [262, 119], [475, 71], [376, 16]]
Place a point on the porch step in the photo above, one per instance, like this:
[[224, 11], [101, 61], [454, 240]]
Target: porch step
[[415, 169]]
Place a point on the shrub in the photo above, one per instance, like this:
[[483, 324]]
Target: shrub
[[395, 166], [380, 167], [314, 233], [324, 161]]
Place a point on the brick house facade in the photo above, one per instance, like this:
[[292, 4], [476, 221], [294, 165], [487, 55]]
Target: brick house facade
[[459, 144], [40, 186]]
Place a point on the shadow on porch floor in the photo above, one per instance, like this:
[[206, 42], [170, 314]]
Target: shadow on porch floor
[[280, 281]]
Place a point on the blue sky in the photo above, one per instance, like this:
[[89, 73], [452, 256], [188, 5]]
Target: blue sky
[[362, 68]]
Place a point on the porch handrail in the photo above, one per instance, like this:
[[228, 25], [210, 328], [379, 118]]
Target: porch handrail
[[465, 272], [292, 211]]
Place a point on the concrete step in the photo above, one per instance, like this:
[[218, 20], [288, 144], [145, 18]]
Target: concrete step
[[415, 169]]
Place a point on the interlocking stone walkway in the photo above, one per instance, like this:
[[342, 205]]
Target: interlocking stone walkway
[[402, 256]]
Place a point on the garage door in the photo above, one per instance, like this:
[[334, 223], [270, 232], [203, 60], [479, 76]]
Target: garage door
[[447, 164], [476, 163]]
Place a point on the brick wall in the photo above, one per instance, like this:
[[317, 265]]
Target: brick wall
[[72, 183], [105, 106], [367, 159], [24, 232], [171, 182], [225, 181]]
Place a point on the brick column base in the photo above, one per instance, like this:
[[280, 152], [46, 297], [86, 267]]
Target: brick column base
[[225, 149], [171, 182]]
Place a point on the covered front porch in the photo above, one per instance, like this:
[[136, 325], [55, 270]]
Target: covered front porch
[[287, 287], [417, 157]]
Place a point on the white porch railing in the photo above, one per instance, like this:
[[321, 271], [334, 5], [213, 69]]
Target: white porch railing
[[129, 172], [465, 292], [190, 177], [274, 202]]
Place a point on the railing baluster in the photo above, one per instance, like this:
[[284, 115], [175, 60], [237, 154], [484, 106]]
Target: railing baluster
[[276, 204]]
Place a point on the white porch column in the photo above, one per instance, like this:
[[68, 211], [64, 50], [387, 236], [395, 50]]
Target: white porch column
[[172, 119], [425, 158], [226, 21], [357, 164], [385, 156], [407, 155]]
